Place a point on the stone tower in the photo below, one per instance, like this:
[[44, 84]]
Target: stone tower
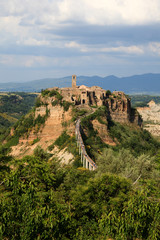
[[73, 81]]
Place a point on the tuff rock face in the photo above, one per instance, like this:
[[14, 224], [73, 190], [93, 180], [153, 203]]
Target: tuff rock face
[[48, 133]]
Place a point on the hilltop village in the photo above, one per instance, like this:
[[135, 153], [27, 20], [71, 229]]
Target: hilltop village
[[117, 103]]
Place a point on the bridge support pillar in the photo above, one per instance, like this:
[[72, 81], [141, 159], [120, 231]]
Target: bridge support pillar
[[87, 164], [84, 162], [81, 157], [79, 149]]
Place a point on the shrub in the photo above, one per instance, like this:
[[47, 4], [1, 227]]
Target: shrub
[[54, 103], [35, 141], [50, 148], [45, 92], [78, 113], [108, 93], [12, 142], [53, 93], [39, 120], [62, 139], [38, 102], [66, 105], [59, 96]]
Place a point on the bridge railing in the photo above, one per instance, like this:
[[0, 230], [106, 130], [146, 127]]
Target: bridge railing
[[85, 159]]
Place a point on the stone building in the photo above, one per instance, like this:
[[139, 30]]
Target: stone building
[[83, 95], [117, 103]]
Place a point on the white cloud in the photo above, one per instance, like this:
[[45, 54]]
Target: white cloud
[[9, 24], [101, 49], [23, 61], [107, 12], [155, 47], [25, 20], [103, 12], [73, 44], [34, 42], [125, 49], [30, 61], [33, 61]]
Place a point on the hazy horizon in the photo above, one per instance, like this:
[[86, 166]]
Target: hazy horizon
[[61, 77]]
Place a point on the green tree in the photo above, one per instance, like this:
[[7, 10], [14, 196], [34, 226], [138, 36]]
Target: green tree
[[126, 165]]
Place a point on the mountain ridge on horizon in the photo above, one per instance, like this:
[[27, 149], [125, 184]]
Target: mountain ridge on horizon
[[144, 83]]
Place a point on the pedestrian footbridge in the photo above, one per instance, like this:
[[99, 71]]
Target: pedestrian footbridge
[[85, 159]]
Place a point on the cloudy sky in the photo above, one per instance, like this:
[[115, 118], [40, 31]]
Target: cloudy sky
[[57, 38]]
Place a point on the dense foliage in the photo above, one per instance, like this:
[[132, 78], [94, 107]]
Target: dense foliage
[[93, 142], [137, 140], [40, 200]]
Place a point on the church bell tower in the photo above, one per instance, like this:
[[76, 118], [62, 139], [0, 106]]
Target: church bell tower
[[74, 81]]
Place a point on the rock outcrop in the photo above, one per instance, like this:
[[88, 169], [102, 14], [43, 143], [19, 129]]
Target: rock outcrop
[[48, 133], [103, 132], [151, 117]]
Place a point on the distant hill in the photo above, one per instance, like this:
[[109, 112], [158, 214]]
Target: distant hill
[[146, 83]]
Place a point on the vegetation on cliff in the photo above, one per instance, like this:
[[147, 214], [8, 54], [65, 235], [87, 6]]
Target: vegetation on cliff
[[58, 99], [24, 126], [137, 140]]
